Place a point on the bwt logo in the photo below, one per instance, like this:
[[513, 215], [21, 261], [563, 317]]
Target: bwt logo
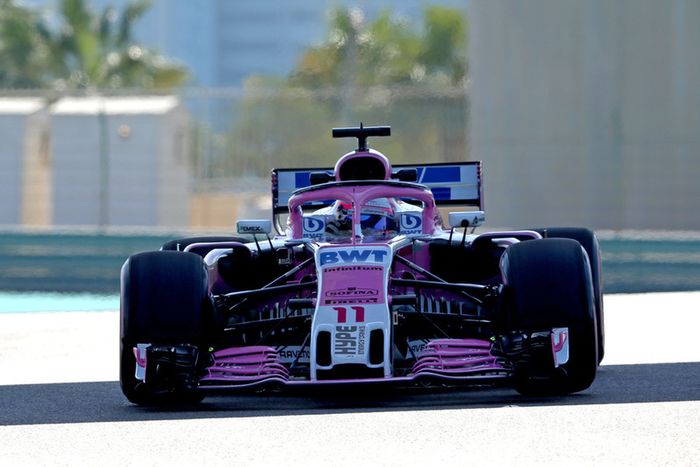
[[352, 256], [313, 225], [411, 222]]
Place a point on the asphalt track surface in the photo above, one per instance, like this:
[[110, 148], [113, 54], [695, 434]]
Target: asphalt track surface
[[60, 404]]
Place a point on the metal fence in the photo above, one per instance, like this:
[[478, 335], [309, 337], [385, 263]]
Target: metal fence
[[246, 132], [200, 158]]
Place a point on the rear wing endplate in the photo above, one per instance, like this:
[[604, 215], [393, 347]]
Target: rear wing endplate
[[452, 184]]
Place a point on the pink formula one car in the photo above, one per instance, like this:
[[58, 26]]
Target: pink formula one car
[[365, 284]]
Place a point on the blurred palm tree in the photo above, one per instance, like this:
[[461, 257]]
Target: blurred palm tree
[[21, 50], [387, 51], [387, 70], [85, 50]]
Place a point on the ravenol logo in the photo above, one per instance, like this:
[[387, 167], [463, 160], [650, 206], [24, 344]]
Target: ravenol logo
[[411, 223], [352, 256]]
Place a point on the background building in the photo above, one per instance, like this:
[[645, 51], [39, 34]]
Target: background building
[[584, 113], [24, 162], [120, 162], [587, 113]]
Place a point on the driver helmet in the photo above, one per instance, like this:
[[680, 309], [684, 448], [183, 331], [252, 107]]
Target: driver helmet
[[376, 218]]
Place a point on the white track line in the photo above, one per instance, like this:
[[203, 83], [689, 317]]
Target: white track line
[[83, 346]]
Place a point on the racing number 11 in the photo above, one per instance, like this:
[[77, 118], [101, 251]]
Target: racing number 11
[[343, 313]]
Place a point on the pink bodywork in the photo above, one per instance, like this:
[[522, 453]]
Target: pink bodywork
[[445, 359], [366, 280], [243, 365], [359, 195], [370, 153], [456, 357]]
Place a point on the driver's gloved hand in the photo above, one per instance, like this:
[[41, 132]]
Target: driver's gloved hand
[[341, 222], [337, 226]]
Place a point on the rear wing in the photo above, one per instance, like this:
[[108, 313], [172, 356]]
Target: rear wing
[[452, 184]]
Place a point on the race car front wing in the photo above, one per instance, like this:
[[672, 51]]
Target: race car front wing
[[457, 361]]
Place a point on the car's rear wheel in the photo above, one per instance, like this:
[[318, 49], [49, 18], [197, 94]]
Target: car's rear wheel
[[164, 302], [549, 285]]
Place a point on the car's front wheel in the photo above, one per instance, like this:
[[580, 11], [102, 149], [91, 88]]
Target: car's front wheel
[[548, 285], [589, 242], [164, 300]]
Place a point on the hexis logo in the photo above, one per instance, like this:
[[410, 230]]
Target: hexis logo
[[251, 229]]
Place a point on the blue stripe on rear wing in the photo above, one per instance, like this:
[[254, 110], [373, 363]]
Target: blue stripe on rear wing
[[456, 184]]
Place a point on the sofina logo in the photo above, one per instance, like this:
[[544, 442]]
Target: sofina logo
[[313, 227], [411, 223], [352, 292]]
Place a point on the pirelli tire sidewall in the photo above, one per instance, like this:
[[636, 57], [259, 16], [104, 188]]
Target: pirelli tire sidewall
[[163, 297], [589, 242], [548, 284]]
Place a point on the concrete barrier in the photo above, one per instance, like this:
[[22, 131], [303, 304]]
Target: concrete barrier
[[90, 262]]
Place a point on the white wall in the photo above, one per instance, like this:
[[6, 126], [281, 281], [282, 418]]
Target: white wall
[[120, 162], [587, 113], [21, 124]]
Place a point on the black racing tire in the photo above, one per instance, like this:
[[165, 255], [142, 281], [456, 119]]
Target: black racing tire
[[548, 284], [164, 301], [179, 244], [589, 242]]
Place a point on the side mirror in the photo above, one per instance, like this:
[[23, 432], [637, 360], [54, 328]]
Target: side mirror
[[405, 175], [466, 219], [317, 178], [255, 226]]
